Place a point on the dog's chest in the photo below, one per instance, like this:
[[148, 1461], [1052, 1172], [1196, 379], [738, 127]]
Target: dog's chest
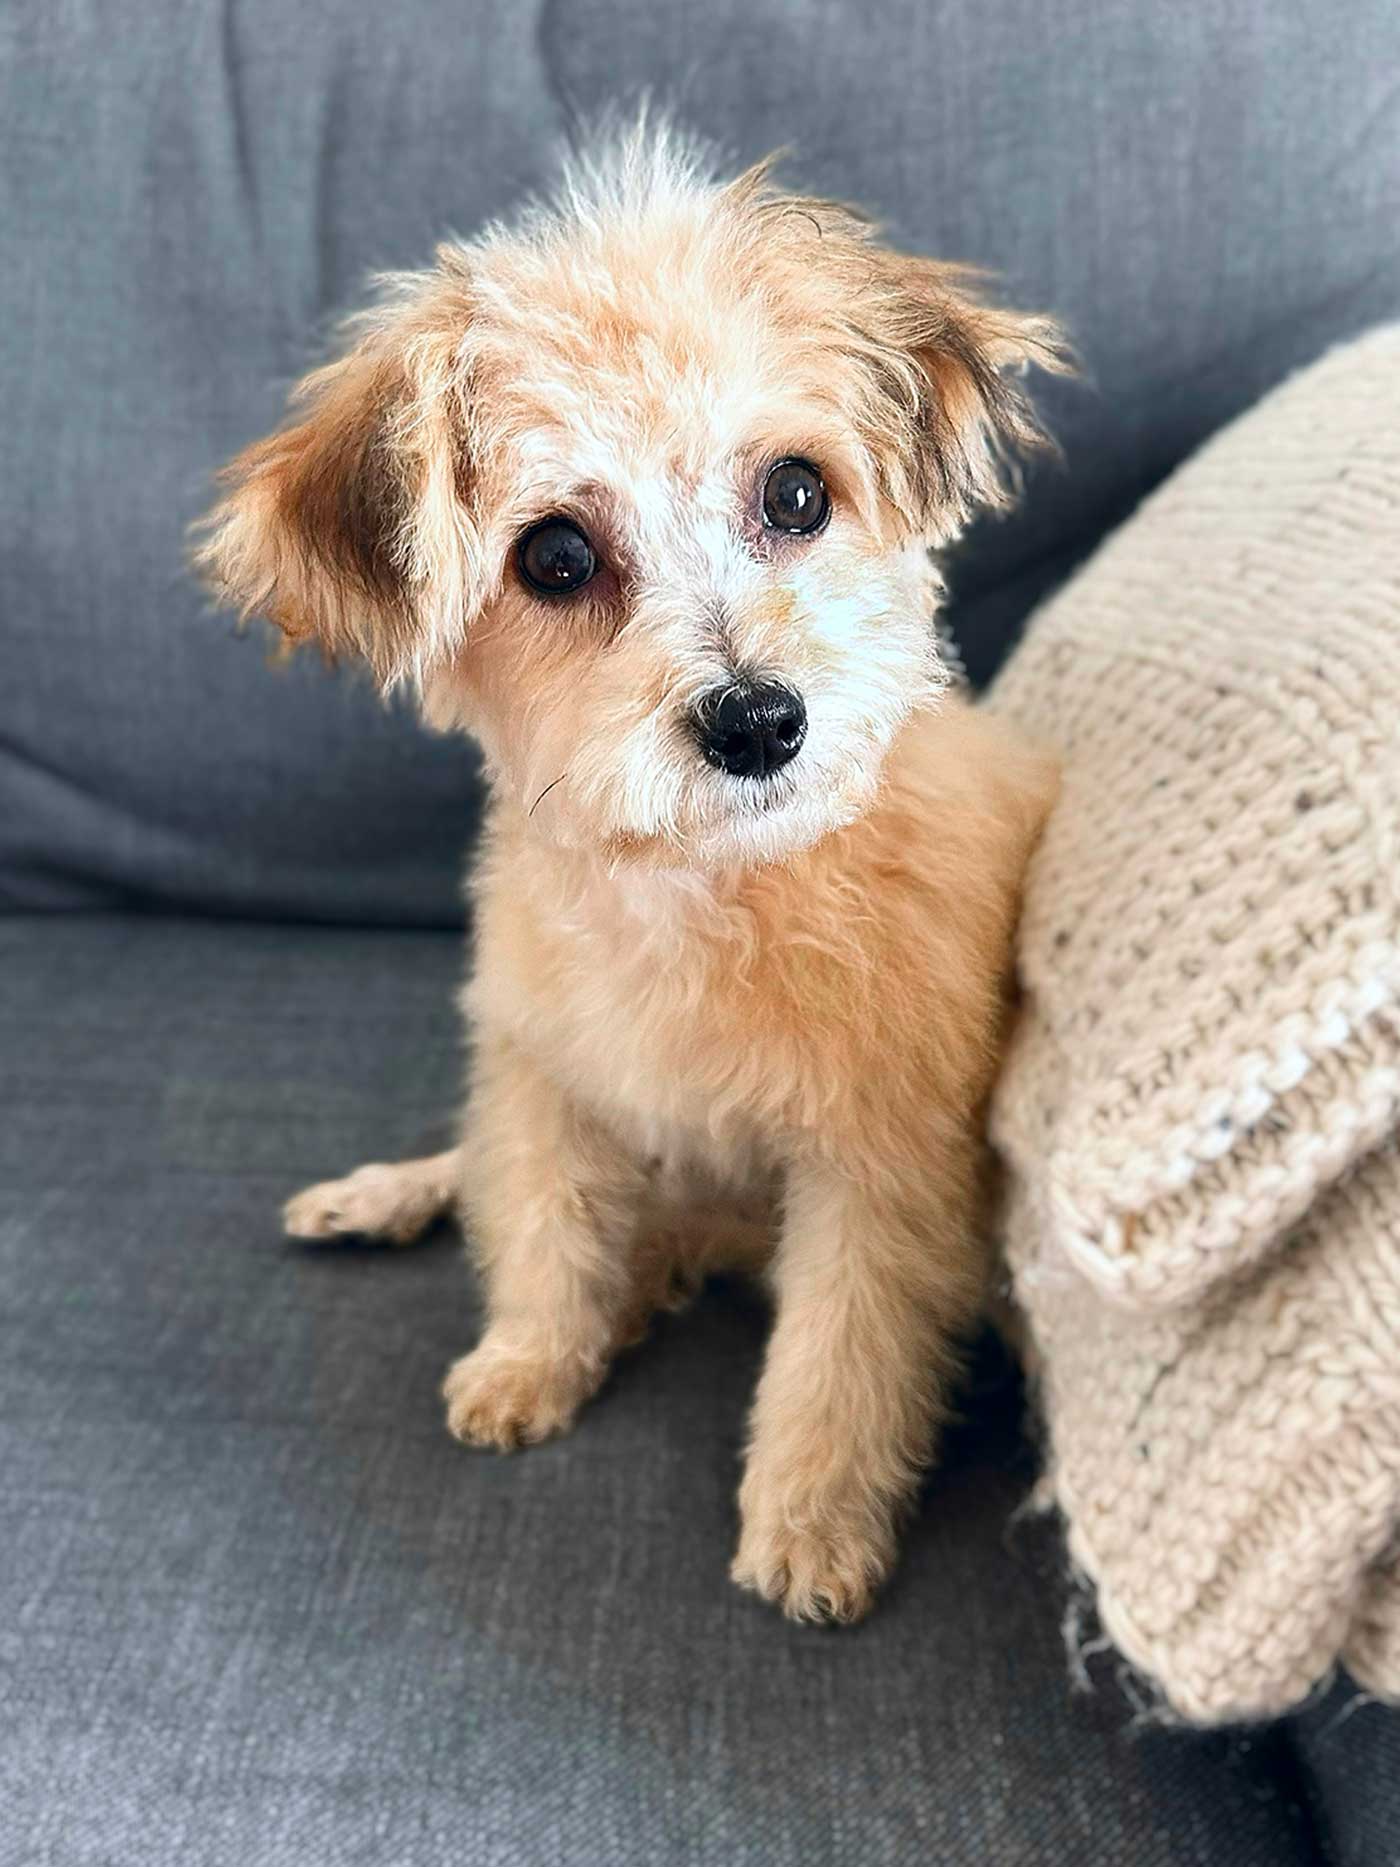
[[659, 1029], [667, 1012]]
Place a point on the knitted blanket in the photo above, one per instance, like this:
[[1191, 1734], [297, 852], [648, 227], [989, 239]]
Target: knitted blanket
[[1199, 1114]]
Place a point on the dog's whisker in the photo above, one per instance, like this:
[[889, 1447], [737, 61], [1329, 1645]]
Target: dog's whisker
[[546, 791]]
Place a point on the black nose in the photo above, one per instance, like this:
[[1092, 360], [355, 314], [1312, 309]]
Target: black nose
[[749, 729]]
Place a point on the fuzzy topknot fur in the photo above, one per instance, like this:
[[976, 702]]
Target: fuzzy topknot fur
[[716, 1016]]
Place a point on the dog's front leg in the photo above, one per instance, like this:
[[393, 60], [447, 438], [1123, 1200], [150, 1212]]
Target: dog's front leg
[[551, 1199], [872, 1289]]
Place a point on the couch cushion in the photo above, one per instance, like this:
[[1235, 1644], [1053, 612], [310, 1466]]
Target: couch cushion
[[256, 1606], [1205, 195]]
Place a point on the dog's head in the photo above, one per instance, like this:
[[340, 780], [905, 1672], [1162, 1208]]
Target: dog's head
[[641, 493]]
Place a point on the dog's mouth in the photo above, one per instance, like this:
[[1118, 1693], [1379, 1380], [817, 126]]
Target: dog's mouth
[[748, 822], [740, 797], [765, 797], [767, 819]]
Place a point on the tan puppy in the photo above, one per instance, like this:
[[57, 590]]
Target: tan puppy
[[641, 492]]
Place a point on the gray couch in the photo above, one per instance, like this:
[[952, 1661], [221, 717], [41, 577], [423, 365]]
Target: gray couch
[[255, 1607]]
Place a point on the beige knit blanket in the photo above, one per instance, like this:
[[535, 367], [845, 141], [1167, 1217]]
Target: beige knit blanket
[[1199, 1115]]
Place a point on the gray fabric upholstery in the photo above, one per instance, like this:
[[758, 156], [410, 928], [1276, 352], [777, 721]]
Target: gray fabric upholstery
[[258, 1610], [1206, 192]]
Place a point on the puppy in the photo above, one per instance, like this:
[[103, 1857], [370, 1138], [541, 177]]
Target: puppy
[[641, 492]]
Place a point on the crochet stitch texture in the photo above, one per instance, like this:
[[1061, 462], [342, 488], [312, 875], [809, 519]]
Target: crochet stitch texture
[[1199, 1114]]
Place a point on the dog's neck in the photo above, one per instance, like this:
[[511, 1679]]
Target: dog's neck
[[651, 897], [634, 899]]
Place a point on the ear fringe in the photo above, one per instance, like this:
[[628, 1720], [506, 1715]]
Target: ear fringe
[[942, 410], [349, 525], [973, 420]]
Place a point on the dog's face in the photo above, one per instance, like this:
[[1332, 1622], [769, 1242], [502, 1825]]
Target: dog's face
[[642, 495]]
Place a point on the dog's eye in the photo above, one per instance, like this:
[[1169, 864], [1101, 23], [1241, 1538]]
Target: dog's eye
[[555, 557], [794, 498]]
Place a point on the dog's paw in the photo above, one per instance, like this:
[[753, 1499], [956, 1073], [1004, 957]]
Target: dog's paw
[[389, 1201], [497, 1397], [825, 1572]]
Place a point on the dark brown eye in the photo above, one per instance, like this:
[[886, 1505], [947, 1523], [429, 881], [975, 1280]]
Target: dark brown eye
[[555, 557], [794, 499]]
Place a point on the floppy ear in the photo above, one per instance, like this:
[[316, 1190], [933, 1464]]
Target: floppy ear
[[950, 411], [349, 526], [935, 392]]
